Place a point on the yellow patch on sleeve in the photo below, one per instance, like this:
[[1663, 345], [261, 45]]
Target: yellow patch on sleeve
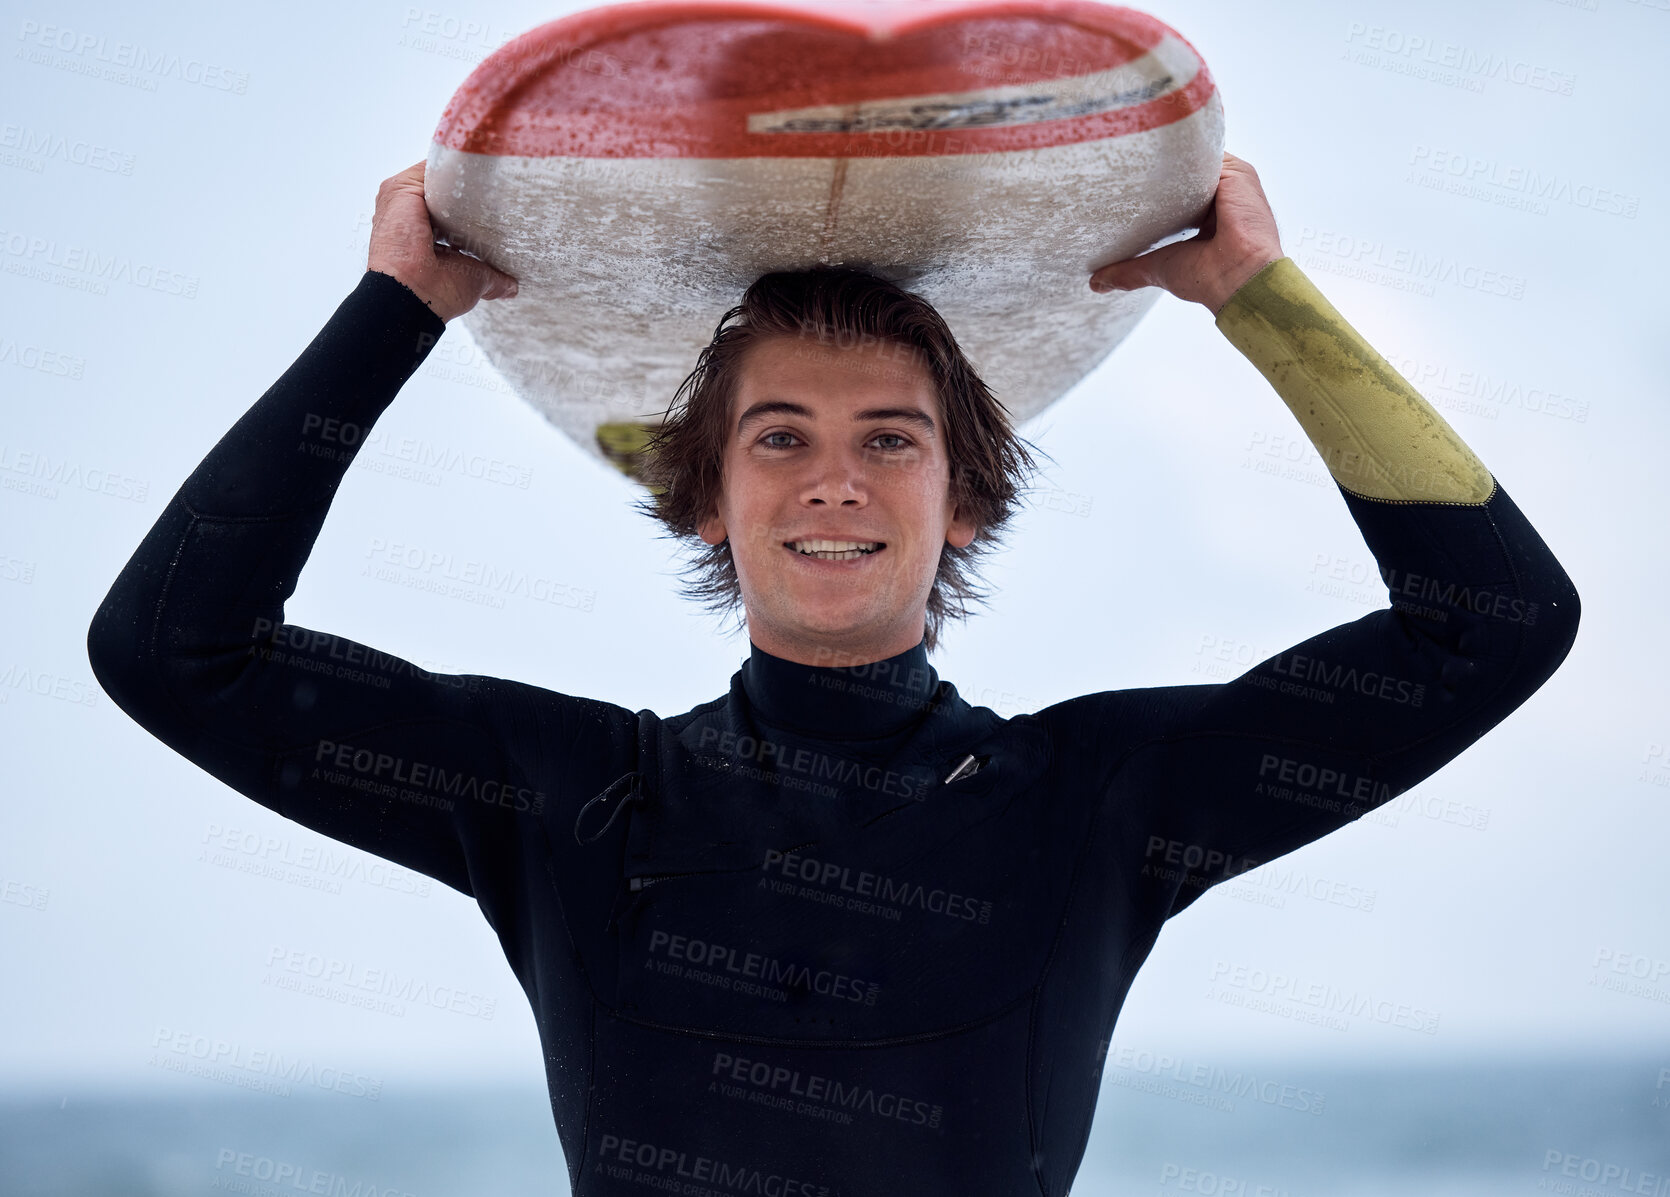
[[1375, 432]]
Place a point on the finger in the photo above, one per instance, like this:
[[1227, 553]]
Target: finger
[[1152, 269], [502, 286], [408, 181], [483, 280], [1238, 166]]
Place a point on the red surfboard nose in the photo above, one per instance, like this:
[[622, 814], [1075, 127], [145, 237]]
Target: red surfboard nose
[[730, 80]]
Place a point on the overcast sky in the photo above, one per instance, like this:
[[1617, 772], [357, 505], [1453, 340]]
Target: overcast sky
[[1506, 890]]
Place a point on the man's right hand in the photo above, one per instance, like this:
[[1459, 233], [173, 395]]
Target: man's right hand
[[403, 245]]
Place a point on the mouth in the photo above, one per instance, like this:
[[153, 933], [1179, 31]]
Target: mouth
[[834, 551]]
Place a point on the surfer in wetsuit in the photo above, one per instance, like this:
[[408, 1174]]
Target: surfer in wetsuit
[[836, 931]]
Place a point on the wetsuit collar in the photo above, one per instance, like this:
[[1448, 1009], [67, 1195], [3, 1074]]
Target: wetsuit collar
[[852, 702]]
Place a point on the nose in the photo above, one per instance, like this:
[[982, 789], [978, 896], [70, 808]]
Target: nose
[[837, 475]]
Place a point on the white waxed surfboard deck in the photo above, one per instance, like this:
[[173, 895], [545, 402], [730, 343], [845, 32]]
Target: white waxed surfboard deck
[[637, 166]]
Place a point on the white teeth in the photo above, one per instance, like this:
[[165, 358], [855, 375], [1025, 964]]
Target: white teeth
[[835, 550]]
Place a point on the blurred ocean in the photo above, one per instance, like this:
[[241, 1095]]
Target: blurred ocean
[[1270, 1130]]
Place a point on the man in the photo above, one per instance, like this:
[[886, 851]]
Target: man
[[835, 931]]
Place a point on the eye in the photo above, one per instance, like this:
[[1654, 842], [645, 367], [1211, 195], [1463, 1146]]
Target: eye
[[903, 442]]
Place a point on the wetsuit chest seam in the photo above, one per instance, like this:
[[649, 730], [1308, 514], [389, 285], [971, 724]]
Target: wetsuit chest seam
[[1034, 1130], [1026, 996]]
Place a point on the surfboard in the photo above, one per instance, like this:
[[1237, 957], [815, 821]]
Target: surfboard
[[637, 166]]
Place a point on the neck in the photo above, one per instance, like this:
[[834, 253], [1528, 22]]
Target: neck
[[841, 698], [837, 653]]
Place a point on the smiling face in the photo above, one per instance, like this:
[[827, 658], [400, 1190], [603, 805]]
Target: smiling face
[[843, 443]]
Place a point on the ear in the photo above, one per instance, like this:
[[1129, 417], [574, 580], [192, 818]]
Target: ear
[[960, 534], [712, 529]]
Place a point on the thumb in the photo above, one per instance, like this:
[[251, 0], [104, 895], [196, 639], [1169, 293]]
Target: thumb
[[481, 280], [1152, 269]]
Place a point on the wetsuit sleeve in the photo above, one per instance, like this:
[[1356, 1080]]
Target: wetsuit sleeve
[[1213, 780], [436, 772]]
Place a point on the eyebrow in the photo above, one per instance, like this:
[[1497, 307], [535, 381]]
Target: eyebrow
[[770, 407]]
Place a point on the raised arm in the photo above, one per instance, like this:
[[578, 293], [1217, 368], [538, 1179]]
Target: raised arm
[[436, 772], [1377, 435], [1214, 780]]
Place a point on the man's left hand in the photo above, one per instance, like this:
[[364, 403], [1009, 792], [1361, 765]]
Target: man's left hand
[[1237, 239]]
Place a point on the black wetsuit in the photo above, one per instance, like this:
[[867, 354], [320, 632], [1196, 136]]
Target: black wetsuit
[[769, 948]]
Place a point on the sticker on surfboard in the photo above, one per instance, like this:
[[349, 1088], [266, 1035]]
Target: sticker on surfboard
[[637, 166]]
